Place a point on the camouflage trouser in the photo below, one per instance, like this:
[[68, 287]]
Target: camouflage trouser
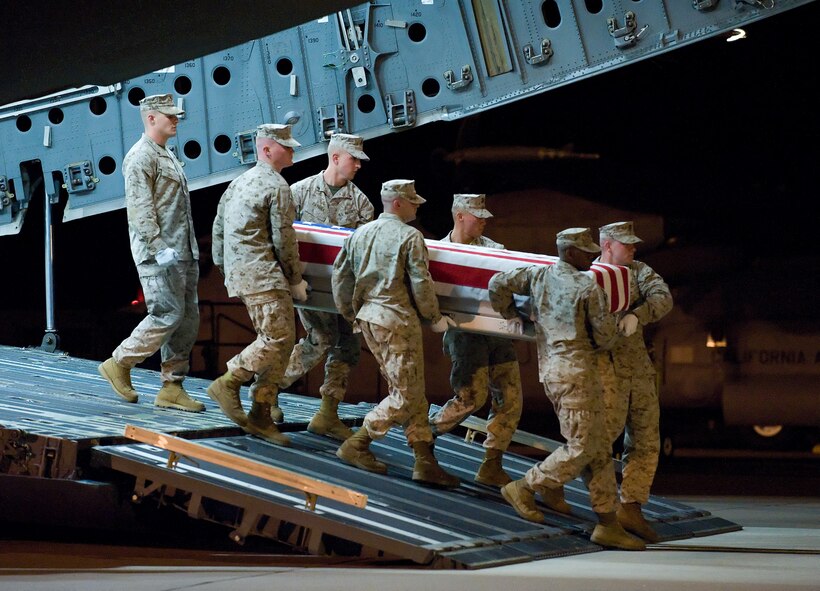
[[587, 453], [326, 333], [272, 315], [401, 360], [482, 364], [632, 406], [172, 322]]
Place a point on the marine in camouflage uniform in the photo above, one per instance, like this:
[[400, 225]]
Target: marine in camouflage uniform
[[330, 198], [254, 245], [163, 244], [630, 391], [480, 363], [382, 285], [572, 320]]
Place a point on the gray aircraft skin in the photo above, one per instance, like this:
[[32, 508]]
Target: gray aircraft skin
[[373, 69]]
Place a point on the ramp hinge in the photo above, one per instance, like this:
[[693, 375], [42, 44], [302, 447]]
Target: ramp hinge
[[625, 36], [245, 144], [541, 58], [704, 5], [401, 114], [465, 80], [174, 458], [331, 120], [250, 520], [142, 489], [79, 177]]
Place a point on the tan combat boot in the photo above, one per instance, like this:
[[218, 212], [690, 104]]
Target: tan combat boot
[[326, 420], [225, 392], [261, 425], [120, 379], [276, 413], [491, 472], [356, 452], [426, 469], [633, 521], [554, 499], [521, 496], [270, 393], [610, 534], [173, 395]]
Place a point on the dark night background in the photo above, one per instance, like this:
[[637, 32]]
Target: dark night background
[[721, 139]]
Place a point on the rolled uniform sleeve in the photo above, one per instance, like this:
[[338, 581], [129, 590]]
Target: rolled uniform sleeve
[[421, 282], [140, 176], [218, 237], [503, 286], [343, 282], [602, 321], [283, 236], [655, 297]]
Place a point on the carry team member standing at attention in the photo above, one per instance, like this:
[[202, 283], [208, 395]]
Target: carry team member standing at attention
[[254, 246], [163, 244], [628, 376], [481, 363], [382, 285], [329, 198], [572, 320]]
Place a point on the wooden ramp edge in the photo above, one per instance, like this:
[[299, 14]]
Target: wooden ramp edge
[[312, 487]]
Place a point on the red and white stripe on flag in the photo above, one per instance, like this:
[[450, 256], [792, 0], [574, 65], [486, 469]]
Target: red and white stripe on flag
[[461, 272]]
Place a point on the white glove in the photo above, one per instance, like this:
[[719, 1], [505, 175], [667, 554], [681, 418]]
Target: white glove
[[300, 290], [515, 325], [167, 257], [443, 324], [628, 324]]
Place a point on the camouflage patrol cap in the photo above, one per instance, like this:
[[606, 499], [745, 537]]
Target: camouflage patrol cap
[[162, 103], [352, 144], [620, 231], [278, 132], [404, 189], [471, 203], [580, 238]]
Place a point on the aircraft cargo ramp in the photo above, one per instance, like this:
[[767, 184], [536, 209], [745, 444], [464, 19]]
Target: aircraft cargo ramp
[[63, 435]]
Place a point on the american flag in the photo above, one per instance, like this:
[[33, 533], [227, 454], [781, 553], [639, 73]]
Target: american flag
[[461, 274]]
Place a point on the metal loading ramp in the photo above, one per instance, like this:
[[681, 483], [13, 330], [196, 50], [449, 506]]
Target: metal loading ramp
[[470, 527], [59, 423]]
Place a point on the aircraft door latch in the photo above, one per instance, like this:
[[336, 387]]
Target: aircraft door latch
[[79, 177], [625, 36], [466, 78], [541, 58], [401, 114], [5, 195], [331, 120]]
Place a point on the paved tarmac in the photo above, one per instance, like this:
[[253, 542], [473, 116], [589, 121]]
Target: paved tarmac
[[778, 548]]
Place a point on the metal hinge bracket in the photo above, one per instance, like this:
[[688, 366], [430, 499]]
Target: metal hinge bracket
[[465, 80], [625, 36], [401, 114], [245, 143], [331, 120], [79, 177], [5, 195], [535, 59]]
